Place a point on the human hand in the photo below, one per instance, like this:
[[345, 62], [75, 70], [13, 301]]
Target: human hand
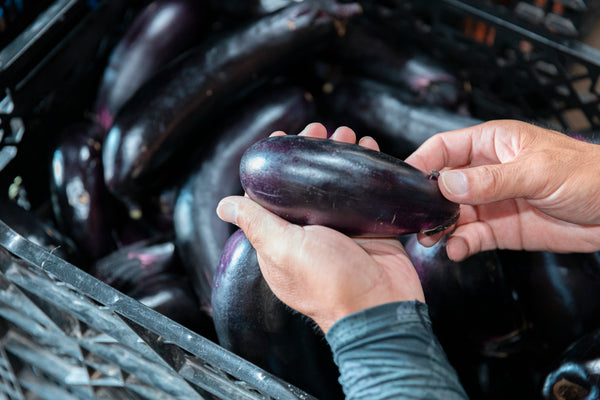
[[520, 187], [318, 271]]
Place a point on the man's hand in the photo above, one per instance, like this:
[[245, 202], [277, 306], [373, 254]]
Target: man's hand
[[318, 271], [520, 186]]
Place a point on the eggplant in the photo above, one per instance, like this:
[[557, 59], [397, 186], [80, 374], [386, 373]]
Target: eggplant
[[559, 294], [347, 187], [159, 33], [477, 318], [200, 233], [388, 115], [81, 203], [177, 103], [252, 323], [470, 302], [151, 272], [576, 376], [246, 9], [367, 51], [37, 228]]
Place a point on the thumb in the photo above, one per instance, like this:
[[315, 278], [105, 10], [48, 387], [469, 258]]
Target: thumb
[[489, 183], [260, 226]]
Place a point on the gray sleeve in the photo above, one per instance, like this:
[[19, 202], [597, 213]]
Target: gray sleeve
[[390, 352]]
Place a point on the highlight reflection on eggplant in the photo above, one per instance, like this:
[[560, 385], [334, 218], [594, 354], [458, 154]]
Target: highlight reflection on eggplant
[[200, 233], [350, 188], [80, 199], [389, 115]]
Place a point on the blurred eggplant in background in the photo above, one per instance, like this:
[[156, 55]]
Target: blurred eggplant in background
[[200, 234], [388, 115], [159, 33], [247, 9], [251, 322], [471, 302], [366, 51], [81, 202], [38, 228], [172, 109], [559, 293], [151, 272], [475, 314]]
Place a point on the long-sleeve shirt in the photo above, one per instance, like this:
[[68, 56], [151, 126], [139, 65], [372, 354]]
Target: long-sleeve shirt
[[390, 352]]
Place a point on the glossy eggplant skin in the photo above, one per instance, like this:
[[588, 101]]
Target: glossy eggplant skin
[[470, 301], [477, 318], [347, 187], [389, 115], [576, 376], [159, 33], [366, 51], [151, 272], [251, 322], [80, 200], [38, 229], [200, 233], [560, 294], [177, 103]]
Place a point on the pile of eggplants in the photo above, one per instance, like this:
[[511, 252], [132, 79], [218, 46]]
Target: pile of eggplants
[[180, 119]]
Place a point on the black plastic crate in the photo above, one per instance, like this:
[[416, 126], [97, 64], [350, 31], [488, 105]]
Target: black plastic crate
[[512, 67], [64, 334]]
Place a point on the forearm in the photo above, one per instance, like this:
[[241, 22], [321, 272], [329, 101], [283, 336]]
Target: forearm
[[390, 352]]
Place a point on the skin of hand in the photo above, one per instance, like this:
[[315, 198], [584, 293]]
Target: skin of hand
[[318, 271], [520, 187]]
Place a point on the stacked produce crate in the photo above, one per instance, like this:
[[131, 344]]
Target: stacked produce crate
[[82, 302]]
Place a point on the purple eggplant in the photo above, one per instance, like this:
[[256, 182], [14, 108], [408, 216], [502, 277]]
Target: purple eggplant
[[577, 375], [242, 9], [560, 294], [159, 33], [151, 272], [251, 322], [477, 318], [200, 234], [367, 51], [37, 228], [388, 114], [358, 191], [81, 202], [175, 106], [471, 302]]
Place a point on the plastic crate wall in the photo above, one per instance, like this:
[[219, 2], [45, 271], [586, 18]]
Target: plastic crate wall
[[66, 335], [511, 67]]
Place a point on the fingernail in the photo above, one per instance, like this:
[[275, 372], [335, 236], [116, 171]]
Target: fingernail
[[227, 211], [455, 182], [304, 131]]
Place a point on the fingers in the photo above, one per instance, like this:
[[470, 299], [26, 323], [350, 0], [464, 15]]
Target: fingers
[[487, 143], [344, 134], [489, 183], [314, 129], [341, 134], [369, 143], [262, 228], [470, 239]]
